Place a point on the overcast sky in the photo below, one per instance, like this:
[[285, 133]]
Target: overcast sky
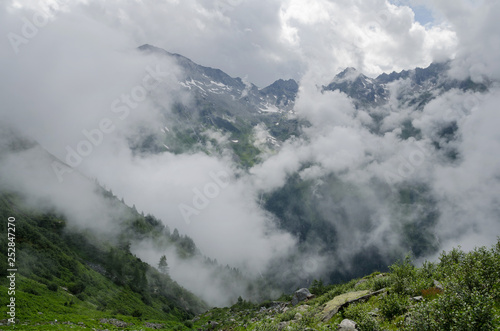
[[266, 40]]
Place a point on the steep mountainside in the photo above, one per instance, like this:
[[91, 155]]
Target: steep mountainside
[[243, 98], [88, 273], [79, 278], [66, 274], [316, 212], [228, 104]]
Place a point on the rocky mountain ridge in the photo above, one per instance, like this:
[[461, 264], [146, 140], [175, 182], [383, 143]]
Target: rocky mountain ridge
[[222, 100], [212, 84]]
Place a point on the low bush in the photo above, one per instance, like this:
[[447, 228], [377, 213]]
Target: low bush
[[31, 291], [77, 288], [137, 313], [456, 309], [381, 282], [393, 305], [287, 316], [53, 287], [359, 314]]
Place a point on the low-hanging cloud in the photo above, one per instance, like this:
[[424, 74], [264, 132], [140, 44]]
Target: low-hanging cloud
[[58, 89], [82, 64], [460, 176]]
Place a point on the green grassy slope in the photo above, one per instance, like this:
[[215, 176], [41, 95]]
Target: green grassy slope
[[460, 292], [81, 279], [68, 280]]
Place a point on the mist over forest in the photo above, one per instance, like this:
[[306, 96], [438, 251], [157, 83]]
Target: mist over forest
[[266, 144]]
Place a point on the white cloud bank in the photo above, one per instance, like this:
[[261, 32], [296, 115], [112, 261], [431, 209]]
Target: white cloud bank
[[267, 40]]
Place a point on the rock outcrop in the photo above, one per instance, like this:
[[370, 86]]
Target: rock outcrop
[[347, 325], [341, 301], [301, 295]]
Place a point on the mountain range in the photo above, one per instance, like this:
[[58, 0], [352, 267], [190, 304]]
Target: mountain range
[[81, 270], [235, 106]]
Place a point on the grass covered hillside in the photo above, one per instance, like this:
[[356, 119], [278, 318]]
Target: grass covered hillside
[[75, 279], [69, 279], [460, 292]]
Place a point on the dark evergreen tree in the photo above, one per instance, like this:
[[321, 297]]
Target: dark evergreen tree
[[163, 265], [175, 235]]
